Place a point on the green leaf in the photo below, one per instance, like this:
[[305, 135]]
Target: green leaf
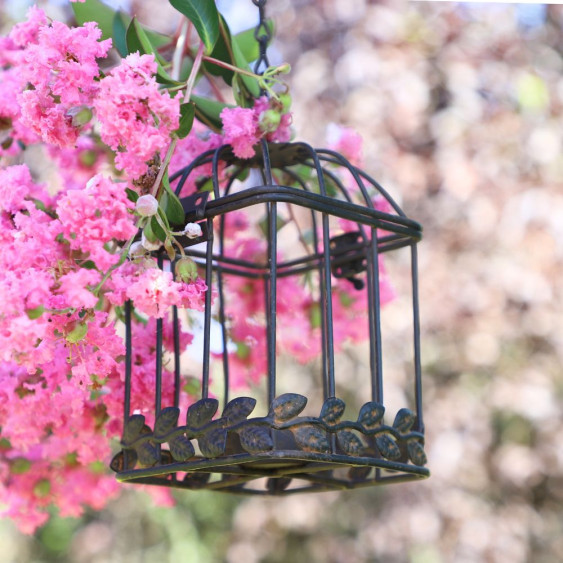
[[157, 229], [36, 312], [208, 111], [171, 204], [247, 43], [223, 51], [137, 39], [242, 96], [240, 61], [132, 195], [121, 22], [95, 11], [205, 17], [187, 113]]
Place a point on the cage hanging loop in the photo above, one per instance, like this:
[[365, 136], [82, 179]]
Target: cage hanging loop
[[262, 34]]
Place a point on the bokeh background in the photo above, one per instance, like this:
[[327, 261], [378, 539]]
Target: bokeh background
[[461, 110]]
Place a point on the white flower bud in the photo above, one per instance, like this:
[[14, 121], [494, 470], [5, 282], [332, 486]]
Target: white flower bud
[[193, 230], [148, 245], [136, 250], [147, 206]]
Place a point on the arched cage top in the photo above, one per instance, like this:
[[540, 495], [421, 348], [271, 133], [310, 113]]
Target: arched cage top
[[342, 222]]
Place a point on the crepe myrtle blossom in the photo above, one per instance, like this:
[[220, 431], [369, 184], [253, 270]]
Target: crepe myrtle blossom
[[70, 258]]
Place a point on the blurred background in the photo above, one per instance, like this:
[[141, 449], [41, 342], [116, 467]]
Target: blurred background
[[461, 110]]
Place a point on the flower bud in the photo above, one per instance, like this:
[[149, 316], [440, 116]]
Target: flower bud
[[269, 120], [193, 230], [80, 115], [149, 245], [136, 250], [186, 270], [285, 101], [147, 206], [284, 68]]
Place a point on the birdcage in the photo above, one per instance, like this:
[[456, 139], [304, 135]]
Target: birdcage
[[343, 222]]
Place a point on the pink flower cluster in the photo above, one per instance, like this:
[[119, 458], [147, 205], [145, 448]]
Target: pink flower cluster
[[154, 291], [244, 127], [136, 118], [59, 64], [92, 217]]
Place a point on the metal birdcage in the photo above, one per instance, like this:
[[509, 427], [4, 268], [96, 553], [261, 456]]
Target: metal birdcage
[[283, 450]]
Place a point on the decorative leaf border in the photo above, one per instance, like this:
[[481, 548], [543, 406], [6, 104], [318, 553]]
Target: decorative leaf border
[[367, 436]]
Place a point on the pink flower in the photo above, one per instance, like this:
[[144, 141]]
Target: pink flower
[[244, 127], [75, 286], [60, 63], [241, 130], [96, 215], [155, 291], [136, 118]]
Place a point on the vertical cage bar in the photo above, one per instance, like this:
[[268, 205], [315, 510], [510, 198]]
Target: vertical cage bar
[[376, 360], [271, 299], [158, 368], [327, 282], [128, 362], [271, 287], [222, 320], [207, 313], [176, 328], [416, 329]]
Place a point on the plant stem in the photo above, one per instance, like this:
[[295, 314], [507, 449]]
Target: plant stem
[[122, 257], [189, 87], [179, 50], [230, 67]]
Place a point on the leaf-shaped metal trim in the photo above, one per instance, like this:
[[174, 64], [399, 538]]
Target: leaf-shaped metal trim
[[181, 448], [255, 439], [311, 438], [201, 412], [118, 463], [388, 447], [133, 429], [332, 410], [238, 409], [416, 452], [287, 406], [350, 443], [147, 453], [404, 420], [371, 415], [256, 435], [166, 421], [213, 443]]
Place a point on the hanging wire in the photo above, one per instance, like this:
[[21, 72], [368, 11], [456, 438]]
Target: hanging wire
[[263, 35]]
